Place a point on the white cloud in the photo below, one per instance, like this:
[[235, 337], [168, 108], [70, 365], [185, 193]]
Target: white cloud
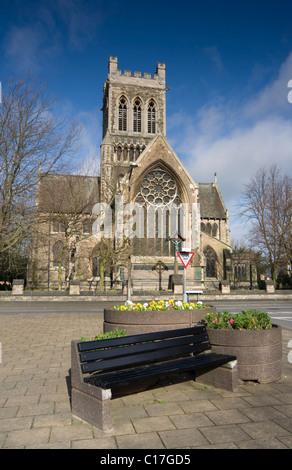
[[27, 49], [273, 99], [235, 140], [236, 157], [80, 20], [214, 55], [88, 158], [43, 32]]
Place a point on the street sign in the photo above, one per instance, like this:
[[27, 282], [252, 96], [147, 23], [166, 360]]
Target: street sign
[[185, 257]]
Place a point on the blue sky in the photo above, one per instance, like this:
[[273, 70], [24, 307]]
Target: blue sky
[[228, 66]]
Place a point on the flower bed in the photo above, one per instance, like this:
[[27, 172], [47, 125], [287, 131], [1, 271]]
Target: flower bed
[[160, 305], [252, 338], [246, 320], [159, 315]]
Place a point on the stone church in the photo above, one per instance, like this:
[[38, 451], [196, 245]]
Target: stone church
[[144, 194]]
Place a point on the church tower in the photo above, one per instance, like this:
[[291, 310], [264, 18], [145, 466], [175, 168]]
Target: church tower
[[133, 114]]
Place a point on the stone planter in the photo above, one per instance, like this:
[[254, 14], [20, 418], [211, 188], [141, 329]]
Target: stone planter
[[136, 322], [259, 352]]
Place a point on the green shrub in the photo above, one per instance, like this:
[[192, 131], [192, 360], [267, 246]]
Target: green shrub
[[116, 333]]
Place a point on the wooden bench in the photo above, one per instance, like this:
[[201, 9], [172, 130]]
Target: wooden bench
[[98, 367]]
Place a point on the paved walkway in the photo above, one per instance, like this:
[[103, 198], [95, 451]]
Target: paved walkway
[[35, 405]]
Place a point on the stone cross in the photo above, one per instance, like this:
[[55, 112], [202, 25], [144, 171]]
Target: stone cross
[[160, 267]]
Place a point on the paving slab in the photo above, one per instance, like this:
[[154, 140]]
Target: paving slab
[[35, 410], [147, 440], [183, 438]]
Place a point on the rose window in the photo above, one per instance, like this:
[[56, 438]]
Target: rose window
[[159, 188]]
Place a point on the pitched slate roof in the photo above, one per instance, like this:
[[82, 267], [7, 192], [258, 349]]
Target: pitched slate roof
[[211, 202], [68, 193]]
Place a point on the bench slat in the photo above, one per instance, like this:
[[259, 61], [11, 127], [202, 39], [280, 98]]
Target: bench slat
[[125, 361], [118, 351], [137, 359], [132, 339], [179, 365]]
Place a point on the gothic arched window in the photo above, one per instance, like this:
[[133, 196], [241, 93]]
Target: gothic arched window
[[132, 153], [208, 228], [123, 114], [137, 116], [214, 230], [125, 153], [240, 272], [160, 197], [137, 152], [119, 153], [210, 262], [151, 117]]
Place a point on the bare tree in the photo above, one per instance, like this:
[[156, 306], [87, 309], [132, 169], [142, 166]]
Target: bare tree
[[284, 227], [110, 255], [64, 206], [267, 204], [30, 137]]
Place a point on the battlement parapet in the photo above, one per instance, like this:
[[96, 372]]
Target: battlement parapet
[[117, 75]]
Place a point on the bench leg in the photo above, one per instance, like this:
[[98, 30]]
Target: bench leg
[[225, 377], [91, 409], [90, 403]]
